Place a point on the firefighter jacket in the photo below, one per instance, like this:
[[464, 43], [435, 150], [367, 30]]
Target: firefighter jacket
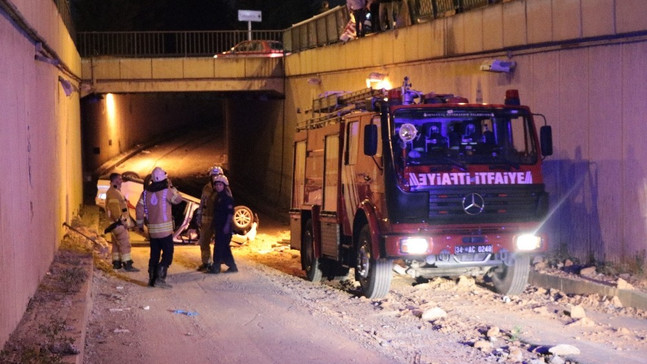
[[207, 200], [154, 206], [116, 207]]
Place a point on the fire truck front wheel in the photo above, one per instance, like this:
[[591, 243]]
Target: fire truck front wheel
[[310, 263], [374, 275], [512, 279]]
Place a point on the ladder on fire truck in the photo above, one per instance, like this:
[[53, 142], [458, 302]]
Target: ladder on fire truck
[[330, 108]]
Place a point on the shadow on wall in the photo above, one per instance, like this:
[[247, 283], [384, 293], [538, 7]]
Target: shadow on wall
[[573, 225]]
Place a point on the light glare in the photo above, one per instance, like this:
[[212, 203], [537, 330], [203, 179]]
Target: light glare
[[414, 246]]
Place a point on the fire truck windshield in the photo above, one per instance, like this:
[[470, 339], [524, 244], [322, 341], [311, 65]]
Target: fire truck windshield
[[464, 136]]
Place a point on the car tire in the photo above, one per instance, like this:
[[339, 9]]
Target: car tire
[[243, 219]]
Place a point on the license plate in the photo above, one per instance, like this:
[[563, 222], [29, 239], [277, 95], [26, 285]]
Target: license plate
[[472, 249]]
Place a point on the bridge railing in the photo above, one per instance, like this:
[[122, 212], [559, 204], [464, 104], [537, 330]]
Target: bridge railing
[[320, 30], [165, 43]]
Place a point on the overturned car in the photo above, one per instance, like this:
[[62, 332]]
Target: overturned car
[[185, 214]]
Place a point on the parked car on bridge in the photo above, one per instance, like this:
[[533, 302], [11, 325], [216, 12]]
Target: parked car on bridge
[[185, 214], [254, 48]]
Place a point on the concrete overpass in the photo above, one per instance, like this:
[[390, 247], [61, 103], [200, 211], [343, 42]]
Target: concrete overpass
[[205, 74]]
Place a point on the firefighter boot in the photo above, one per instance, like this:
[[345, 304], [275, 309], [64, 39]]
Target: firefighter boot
[[161, 277], [116, 264], [128, 266], [152, 276]]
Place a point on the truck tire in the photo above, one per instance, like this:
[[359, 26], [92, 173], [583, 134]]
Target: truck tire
[[512, 279], [311, 264], [374, 275]]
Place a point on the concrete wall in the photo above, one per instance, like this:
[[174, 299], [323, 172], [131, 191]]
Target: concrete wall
[[579, 62], [40, 150]]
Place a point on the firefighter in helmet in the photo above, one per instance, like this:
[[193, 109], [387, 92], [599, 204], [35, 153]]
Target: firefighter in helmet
[[154, 207], [205, 217], [117, 211], [223, 220]]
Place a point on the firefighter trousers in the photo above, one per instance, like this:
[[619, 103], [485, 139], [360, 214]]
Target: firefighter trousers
[[121, 244], [161, 247], [206, 233]]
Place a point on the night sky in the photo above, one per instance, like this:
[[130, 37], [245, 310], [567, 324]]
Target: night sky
[[151, 15]]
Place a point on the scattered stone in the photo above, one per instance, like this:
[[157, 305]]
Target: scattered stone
[[483, 345], [564, 349], [576, 312], [623, 331], [622, 284], [588, 271], [434, 314], [568, 263], [399, 269], [516, 355], [556, 359], [493, 332], [615, 301], [465, 282], [121, 331], [584, 322]]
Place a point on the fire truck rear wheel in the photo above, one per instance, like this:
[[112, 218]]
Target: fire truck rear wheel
[[374, 275], [310, 263], [513, 279]]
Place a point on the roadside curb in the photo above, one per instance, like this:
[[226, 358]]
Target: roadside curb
[[81, 315], [629, 298]]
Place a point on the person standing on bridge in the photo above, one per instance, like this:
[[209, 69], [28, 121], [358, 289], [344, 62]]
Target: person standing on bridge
[[359, 10], [154, 207], [117, 211], [223, 218], [206, 217]]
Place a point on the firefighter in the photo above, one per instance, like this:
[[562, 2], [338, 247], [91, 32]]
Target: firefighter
[[154, 206], [223, 216], [117, 211], [205, 218]]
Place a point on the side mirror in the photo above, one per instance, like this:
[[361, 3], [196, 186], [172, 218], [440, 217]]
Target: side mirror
[[370, 139], [546, 140]]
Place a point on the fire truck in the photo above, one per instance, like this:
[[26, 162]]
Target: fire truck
[[430, 182]]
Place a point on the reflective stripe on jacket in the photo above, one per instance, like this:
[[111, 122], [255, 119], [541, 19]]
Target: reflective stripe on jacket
[[156, 208]]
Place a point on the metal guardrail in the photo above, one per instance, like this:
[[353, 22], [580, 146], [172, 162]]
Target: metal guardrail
[[165, 43], [320, 30]]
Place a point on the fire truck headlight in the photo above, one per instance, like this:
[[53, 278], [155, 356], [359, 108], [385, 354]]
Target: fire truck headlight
[[414, 246], [527, 242]]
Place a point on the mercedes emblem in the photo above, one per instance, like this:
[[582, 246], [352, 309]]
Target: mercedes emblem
[[473, 204]]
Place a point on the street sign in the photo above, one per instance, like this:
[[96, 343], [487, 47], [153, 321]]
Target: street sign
[[250, 15]]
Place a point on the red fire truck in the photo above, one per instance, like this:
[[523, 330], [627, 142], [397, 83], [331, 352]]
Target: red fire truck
[[430, 182]]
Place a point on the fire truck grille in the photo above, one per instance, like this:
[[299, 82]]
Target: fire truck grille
[[489, 204]]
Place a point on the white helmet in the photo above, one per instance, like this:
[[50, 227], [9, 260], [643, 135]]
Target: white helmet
[[220, 178], [216, 171], [158, 174]]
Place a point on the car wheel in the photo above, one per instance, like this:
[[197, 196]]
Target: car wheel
[[310, 263], [374, 275], [243, 219], [512, 279]]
